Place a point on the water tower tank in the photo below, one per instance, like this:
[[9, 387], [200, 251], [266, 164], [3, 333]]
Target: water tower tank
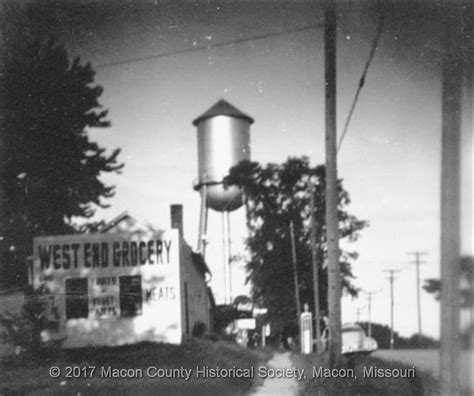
[[223, 134]]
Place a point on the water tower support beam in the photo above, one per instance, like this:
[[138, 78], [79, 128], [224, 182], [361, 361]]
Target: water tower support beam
[[229, 253], [201, 245], [224, 257], [204, 235]]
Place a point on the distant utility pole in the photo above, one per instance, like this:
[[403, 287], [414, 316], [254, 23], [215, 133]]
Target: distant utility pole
[[295, 271], [417, 262], [334, 271], [369, 297], [358, 310], [391, 279], [315, 265]]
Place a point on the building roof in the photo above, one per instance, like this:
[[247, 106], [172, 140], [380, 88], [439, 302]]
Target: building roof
[[125, 222], [223, 108]]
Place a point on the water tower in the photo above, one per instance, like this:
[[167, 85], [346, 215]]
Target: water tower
[[223, 135]]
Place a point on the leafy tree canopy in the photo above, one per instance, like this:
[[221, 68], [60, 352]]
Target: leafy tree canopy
[[51, 169], [274, 196]]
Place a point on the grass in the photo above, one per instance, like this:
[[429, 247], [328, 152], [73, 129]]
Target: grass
[[421, 384], [23, 376]]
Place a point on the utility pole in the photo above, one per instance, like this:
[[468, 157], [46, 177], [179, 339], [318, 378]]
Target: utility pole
[[369, 297], [456, 98], [417, 262], [315, 265], [391, 279], [334, 271], [295, 271], [3, 220], [358, 310]]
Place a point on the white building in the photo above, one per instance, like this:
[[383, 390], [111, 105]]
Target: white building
[[127, 284]]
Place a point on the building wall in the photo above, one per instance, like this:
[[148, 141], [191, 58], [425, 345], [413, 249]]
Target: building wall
[[195, 305], [117, 271]]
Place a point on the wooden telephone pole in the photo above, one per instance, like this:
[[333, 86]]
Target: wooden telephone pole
[[369, 306], [315, 266], [417, 262], [359, 310], [392, 302], [295, 271], [334, 271], [369, 299], [3, 219], [456, 98]]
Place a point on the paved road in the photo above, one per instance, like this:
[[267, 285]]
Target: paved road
[[278, 386], [428, 360]]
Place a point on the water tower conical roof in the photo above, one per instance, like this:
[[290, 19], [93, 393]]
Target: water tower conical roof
[[223, 108]]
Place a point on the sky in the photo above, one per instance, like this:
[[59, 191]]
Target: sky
[[160, 70]]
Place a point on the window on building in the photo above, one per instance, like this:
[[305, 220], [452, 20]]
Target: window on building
[[77, 303], [130, 295]]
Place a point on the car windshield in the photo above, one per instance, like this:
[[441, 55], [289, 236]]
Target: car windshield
[[351, 329]]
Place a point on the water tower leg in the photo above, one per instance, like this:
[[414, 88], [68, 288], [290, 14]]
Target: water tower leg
[[202, 221], [204, 235], [229, 253], [224, 257]]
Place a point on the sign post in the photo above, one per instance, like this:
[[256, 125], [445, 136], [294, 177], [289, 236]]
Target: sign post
[[306, 326]]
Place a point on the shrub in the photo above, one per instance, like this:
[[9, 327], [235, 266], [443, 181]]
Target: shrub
[[24, 330], [199, 329]]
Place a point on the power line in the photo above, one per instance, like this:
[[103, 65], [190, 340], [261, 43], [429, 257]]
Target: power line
[[362, 79], [207, 46]]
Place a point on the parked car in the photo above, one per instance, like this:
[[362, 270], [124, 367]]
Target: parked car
[[354, 340]]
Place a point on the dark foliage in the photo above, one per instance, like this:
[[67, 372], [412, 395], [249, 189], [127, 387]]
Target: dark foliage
[[51, 169], [223, 315], [274, 196], [199, 328], [433, 286], [24, 330]]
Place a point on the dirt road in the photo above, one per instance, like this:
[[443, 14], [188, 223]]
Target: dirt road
[[278, 386]]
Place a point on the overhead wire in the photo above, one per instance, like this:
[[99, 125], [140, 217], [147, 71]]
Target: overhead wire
[[207, 46], [362, 79]]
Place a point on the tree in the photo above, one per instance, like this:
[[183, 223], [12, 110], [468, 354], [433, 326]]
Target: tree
[[433, 286], [51, 169], [274, 196]]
